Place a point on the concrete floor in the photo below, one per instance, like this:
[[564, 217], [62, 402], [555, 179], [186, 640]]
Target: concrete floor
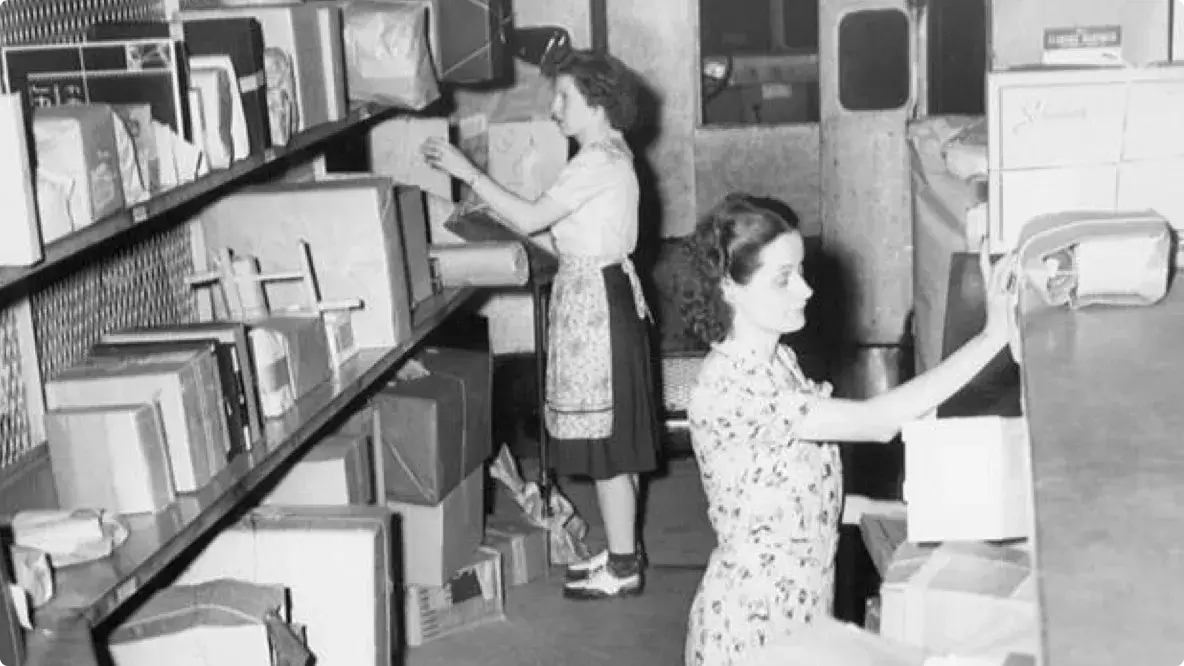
[[543, 628]]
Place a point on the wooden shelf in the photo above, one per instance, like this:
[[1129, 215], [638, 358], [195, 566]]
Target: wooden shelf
[[14, 280], [95, 590]]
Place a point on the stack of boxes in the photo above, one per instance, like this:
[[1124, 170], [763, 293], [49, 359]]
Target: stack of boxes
[[1083, 111]]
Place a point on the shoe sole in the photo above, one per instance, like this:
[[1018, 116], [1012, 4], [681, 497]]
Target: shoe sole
[[597, 595]]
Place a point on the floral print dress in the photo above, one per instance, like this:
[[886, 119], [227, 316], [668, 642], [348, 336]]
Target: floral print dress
[[774, 502]]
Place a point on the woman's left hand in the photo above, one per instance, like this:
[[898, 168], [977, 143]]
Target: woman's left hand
[[447, 158]]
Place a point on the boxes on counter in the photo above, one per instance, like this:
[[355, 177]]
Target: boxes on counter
[[191, 405], [1078, 32], [474, 596], [335, 473], [1039, 164], [524, 548], [351, 226], [442, 537], [436, 430], [962, 598], [219, 622], [337, 565], [113, 458]]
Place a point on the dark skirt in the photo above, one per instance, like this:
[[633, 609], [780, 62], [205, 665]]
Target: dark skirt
[[632, 448]]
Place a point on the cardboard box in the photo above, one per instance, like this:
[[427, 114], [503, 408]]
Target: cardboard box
[[351, 226], [437, 430], [232, 336], [965, 598], [442, 538], [337, 565], [113, 458], [220, 622], [474, 596], [968, 479], [291, 355], [1078, 32], [191, 407], [524, 547], [1039, 163], [335, 473]]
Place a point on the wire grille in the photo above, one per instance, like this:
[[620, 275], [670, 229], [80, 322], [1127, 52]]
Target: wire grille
[[142, 284], [51, 21]]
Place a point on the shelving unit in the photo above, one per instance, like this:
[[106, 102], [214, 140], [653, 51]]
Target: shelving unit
[[95, 591], [128, 270]]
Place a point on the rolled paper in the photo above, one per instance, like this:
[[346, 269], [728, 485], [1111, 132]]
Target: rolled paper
[[488, 264]]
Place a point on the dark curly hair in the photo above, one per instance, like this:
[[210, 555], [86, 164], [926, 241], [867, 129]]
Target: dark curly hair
[[728, 242], [604, 82]]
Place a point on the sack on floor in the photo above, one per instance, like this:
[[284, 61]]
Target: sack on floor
[[565, 526]]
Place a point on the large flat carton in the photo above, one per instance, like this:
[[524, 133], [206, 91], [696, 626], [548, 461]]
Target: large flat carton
[[962, 598], [335, 473], [351, 227], [337, 564]]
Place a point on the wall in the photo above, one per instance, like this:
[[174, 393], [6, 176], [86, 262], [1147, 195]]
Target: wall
[[689, 167], [779, 161]]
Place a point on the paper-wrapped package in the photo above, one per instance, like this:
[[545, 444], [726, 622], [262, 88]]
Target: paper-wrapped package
[[567, 529], [492, 264], [221, 621]]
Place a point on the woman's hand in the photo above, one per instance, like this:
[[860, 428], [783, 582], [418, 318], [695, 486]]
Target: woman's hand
[[446, 157], [1000, 281]]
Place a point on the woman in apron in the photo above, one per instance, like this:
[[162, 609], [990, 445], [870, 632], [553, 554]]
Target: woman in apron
[[601, 410], [763, 436]]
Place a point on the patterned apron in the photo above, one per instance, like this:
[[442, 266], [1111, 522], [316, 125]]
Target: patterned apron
[[580, 353]]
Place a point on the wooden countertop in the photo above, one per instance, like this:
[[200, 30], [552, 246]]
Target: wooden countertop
[[1104, 394]]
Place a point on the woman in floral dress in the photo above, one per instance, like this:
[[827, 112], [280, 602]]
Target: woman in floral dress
[[762, 433]]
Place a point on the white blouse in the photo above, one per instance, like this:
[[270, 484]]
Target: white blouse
[[600, 186]]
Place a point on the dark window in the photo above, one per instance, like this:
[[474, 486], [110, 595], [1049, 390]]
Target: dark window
[[874, 72]]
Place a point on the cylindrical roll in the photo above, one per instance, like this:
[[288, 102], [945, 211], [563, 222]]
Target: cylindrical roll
[[490, 264]]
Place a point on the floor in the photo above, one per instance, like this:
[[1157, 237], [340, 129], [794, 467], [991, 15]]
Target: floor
[[543, 628]]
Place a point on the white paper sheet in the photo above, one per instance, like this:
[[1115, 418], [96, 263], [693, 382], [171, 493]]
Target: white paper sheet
[[968, 479]]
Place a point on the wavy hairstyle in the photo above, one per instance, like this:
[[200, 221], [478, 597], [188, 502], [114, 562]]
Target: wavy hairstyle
[[605, 82], [728, 242]]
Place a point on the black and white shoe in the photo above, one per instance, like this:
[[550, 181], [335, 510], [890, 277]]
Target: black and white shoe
[[583, 569], [603, 583]]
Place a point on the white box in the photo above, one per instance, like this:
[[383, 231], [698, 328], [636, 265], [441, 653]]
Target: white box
[[963, 599], [968, 479], [1074, 139]]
